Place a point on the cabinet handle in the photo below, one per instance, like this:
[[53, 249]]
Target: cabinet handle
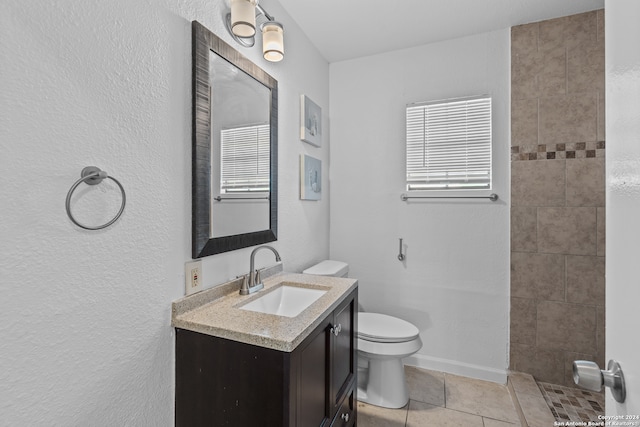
[[345, 417], [335, 330]]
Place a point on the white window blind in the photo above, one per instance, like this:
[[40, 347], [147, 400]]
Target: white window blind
[[449, 145], [245, 159]]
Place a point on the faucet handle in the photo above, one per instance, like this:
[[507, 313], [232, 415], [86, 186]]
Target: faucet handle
[[244, 288], [258, 278]]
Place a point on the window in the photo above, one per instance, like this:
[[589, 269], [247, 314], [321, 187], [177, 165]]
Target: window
[[245, 159], [449, 144]]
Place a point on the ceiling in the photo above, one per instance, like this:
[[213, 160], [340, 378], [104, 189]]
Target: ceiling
[[347, 29]]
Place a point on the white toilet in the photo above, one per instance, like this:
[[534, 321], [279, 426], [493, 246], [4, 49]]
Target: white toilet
[[382, 343]]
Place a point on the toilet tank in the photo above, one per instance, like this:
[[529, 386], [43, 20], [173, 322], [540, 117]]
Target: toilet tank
[[329, 268]]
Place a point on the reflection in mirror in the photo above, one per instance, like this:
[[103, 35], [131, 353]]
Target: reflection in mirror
[[239, 149], [235, 136]]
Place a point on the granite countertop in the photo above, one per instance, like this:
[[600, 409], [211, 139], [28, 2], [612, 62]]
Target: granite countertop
[[215, 311]]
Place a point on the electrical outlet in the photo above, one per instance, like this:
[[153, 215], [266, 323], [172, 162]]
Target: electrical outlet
[[193, 277]]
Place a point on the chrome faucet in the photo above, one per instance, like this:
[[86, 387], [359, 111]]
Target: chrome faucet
[[250, 286]]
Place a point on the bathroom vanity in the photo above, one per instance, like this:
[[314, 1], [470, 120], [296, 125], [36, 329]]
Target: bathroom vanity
[[240, 367]]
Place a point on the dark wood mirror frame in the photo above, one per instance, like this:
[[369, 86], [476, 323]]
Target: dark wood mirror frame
[[204, 41]]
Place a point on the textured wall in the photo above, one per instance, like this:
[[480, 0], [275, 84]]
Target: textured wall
[[85, 337], [454, 284], [557, 195]]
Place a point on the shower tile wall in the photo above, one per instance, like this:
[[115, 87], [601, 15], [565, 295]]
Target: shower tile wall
[[557, 195]]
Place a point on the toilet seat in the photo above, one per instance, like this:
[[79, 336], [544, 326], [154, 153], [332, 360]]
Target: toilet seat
[[377, 327], [374, 350]]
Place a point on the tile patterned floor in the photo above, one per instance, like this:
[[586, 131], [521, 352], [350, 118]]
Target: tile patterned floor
[[439, 399], [570, 404], [445, 400]]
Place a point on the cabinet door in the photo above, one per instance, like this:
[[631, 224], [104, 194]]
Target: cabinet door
[[313, 397], [221, 382], [344, 351]]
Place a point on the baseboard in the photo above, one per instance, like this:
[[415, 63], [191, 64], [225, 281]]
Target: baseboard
[[457, 368]]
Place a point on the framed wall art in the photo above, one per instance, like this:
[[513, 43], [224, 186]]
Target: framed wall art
[[310, 178], [310, 121]]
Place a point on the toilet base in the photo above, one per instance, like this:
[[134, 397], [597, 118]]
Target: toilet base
[[386, 385]]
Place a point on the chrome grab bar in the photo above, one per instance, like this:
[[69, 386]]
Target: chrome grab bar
[[493, 197]]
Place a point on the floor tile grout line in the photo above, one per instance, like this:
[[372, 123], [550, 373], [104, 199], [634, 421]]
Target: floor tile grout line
[[444, 389], [406, 415]]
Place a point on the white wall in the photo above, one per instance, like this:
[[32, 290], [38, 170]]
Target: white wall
[[454, 284], [85, 336]]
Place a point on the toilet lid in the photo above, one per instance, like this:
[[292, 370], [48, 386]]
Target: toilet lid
[[382, 328], [328, 268]]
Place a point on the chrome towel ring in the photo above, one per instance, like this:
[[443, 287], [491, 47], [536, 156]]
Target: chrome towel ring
[[93, 176]]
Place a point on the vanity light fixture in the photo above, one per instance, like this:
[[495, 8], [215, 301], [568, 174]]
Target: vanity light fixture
[[241, 24]]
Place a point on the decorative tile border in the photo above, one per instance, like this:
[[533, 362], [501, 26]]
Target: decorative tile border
[[572, 404], [571, 150]]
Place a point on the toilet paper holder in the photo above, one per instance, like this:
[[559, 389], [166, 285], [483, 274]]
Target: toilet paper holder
[[587, 374]]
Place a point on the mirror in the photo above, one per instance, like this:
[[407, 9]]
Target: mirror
[[235, 122]]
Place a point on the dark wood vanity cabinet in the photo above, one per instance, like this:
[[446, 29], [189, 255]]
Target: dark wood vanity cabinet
[[220, 382]]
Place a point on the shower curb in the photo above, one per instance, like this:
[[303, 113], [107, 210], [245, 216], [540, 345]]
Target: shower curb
[[516, 404], [528, 401]]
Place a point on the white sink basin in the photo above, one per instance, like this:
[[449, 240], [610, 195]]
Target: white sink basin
[[285, 300]]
